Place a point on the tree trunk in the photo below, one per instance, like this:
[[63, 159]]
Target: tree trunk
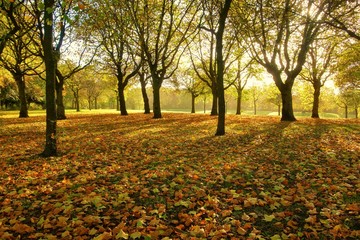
[[122, 102], [22, 96], [50, 66], [287, 106], [77, 101], [346, 111], [255, 108], [156, 103], [205, 104], [356, 113], [214, 107], [315, 108], [96, 102], [89, 103], [238, 102], [220, 68], [145, 99], [193, 97], [60, 98]]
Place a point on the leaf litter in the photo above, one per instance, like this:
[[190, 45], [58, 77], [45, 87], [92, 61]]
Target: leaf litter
[[135, 177]]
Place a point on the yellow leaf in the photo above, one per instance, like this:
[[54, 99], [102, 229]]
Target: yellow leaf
[[269, 218], [135, 235], [122, 235]]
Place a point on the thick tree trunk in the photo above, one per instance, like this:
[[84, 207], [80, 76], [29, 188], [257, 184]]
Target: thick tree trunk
[[193, 97], [122, 102], [156, 103], [315, 108], [287, 106], [214, 107], [60, 110], [22, 96], [50, 65]]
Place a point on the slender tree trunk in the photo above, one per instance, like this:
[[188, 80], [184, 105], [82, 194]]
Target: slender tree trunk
[[238, 101], [255, 107], [193, 97], [205, 104], [214, 107], [22, 96], [77, 101], [89, 103], [156, 103], [315, 108], [60, 98], [356, 113], [220, 68], [50, 65], [346, 111], [96, 102]]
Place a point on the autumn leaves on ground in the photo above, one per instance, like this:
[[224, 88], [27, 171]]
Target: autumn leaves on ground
[[135, 177]]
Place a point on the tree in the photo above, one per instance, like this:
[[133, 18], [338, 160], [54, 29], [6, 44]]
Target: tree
[[8, 95], [9, 24], [342, 14], [317, 66], [221, 67], [273, 96], [162, 28], [50, 58], [192, 84], [112, 25], [278, 36], [19, 59], [203, 50], [144, 79], [255, 92], [348, 67]]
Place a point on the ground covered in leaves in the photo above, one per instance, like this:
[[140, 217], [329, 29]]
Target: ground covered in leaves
[[135, 177]]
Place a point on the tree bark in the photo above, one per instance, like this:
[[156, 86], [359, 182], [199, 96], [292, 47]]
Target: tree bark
[[50, 65], [214, 107], [315, 107], [77, 101], [156, 103], [19, 79], [220, 67], [122, 102], [346, 111], [238, 102], [287, 106], [193, 97], [145, 99], [60, 110]]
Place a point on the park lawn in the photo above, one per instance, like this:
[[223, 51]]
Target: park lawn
[[134, 177]]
